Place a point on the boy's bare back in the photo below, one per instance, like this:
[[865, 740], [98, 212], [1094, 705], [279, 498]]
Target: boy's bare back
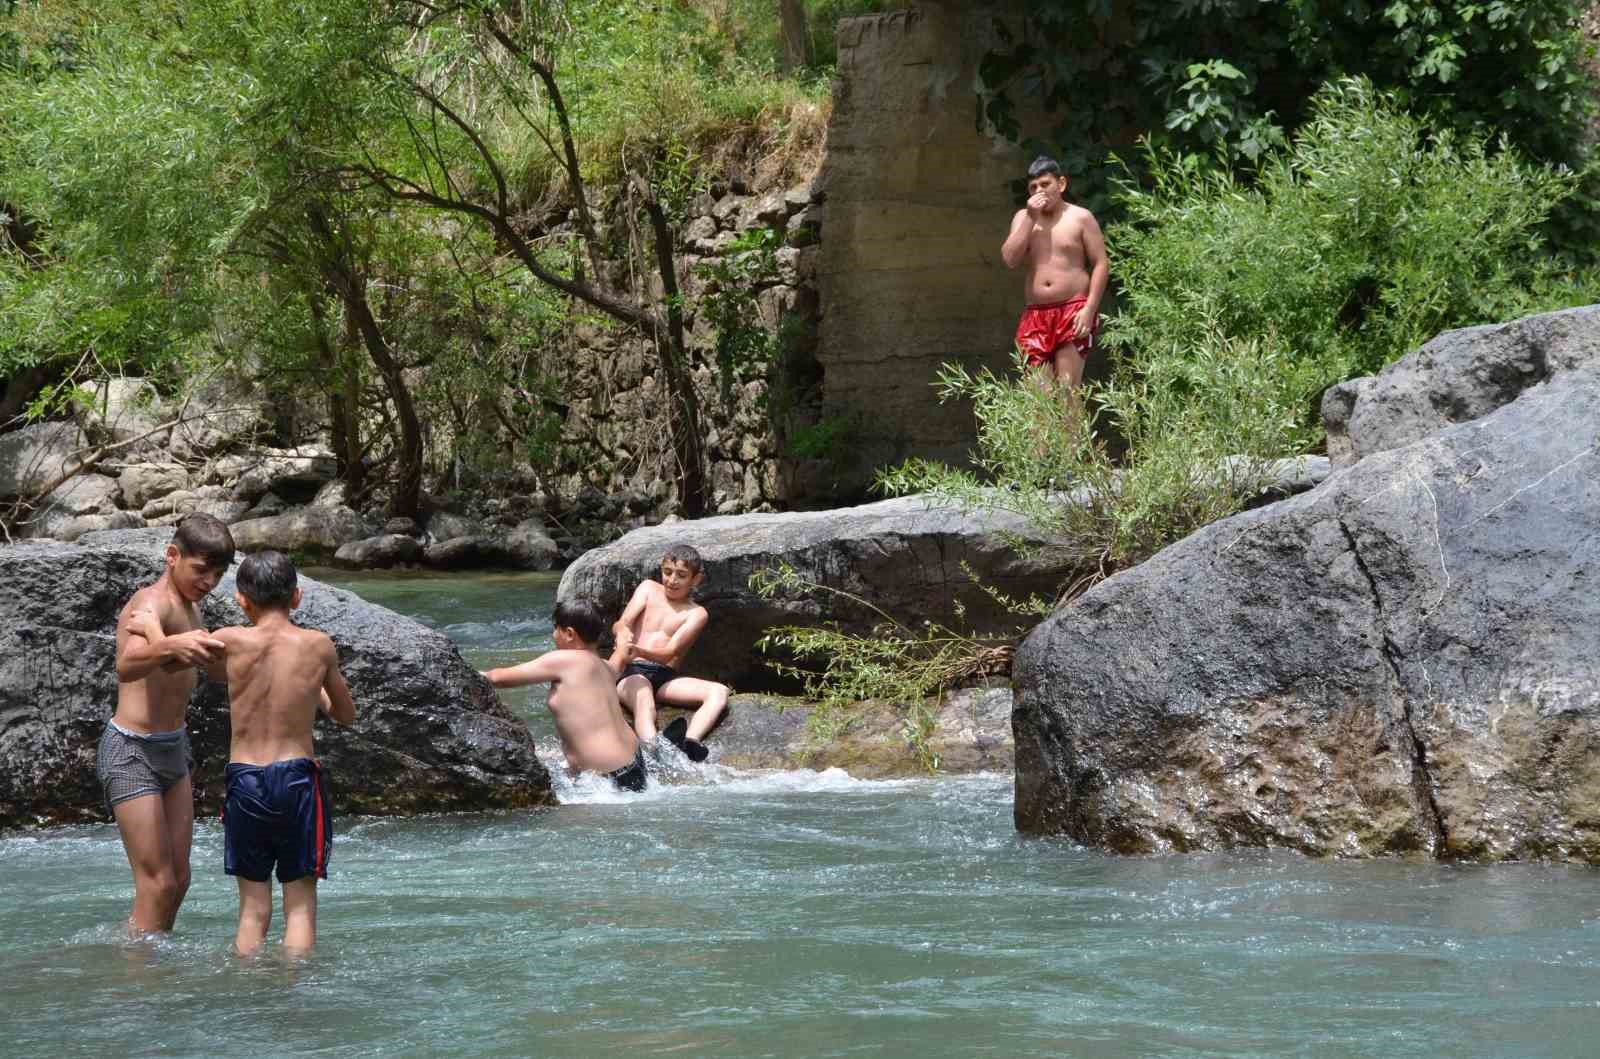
[[277, 673]]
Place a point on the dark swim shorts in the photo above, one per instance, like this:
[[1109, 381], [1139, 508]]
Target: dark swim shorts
[[132, 764], [276, 813], [656, 673], [630, 777]]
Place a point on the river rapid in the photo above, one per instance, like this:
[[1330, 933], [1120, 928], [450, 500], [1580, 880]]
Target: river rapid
[[789, 914]]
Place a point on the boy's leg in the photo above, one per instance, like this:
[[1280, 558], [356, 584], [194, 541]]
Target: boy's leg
[[300, 914], [255, 914], [147, 840], [710, 697], [1069, 367], [637, 698], [178, 803]]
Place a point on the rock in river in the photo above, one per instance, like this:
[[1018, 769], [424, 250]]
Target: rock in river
[[430, 735], [914, 560], [1405, 659]]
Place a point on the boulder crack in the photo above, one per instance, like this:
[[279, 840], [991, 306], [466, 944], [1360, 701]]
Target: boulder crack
[[1422, 775]]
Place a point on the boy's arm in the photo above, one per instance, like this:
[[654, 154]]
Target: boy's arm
[[631, 613], [143, 646], [1015, 248], [619, 654], [540, 670], [681, 640], [1094, 253], [335, 693]]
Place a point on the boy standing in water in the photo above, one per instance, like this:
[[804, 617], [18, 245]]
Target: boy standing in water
[[656, 630], [276, 804], [1065, 280], [583, 697], [143, 762]]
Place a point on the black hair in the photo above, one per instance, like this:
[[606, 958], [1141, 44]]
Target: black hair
[[267, 579], [205, 536], [684, 553], [1044, 165], [582, 615]]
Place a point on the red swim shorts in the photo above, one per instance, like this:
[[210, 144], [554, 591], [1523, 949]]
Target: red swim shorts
[[1044, 329]]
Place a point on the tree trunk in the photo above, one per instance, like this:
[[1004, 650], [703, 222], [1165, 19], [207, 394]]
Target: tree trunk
[[792, 17], [343, 407], [685, 418]]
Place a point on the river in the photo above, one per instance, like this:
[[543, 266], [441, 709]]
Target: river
[[790, 914]]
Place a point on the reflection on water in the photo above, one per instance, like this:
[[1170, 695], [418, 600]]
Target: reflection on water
[[794, 914]]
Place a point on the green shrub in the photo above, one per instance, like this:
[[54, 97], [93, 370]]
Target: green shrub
[[1364, 239]]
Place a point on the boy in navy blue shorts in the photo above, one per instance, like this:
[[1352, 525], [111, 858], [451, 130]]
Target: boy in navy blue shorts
[[275, 808]]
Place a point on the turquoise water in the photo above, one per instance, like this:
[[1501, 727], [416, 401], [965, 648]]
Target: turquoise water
[[793, 914]]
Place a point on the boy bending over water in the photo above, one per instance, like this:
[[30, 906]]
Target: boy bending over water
[[276, 801], [583, 697], [143, 763], [656, 630]]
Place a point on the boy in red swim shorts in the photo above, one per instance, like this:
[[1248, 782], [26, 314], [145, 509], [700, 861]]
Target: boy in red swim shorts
[[1066, 276]]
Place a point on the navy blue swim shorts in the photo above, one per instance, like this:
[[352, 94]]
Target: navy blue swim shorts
[[276, 814]]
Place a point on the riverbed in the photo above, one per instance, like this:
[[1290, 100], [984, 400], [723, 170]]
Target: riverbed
[[790, 914]]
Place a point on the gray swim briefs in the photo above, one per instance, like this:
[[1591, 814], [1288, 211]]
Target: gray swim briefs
[[131, 764]]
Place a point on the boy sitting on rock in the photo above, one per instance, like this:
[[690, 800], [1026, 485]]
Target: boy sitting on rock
[[656, 630], [583, 697], [275, 807]]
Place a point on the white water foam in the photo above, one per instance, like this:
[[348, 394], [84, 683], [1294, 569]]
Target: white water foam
[[672, 775]]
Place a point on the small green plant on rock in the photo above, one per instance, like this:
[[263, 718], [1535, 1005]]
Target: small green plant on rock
[[897, 665]]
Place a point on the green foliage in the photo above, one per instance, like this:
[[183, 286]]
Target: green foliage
[[1364, 239], [897, 665], [1241, 303], [1203, 426], [745, 346], [1230, 78]]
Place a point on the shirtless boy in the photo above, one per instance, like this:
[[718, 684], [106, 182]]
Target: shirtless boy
[[275, 807], [656, 630], [143, 763], [583, 697], [1066, 276]]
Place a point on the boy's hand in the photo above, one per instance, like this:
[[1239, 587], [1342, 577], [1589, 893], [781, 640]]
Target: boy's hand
[[1082, 321], [625, 642], [1037, 204], [194, 648]]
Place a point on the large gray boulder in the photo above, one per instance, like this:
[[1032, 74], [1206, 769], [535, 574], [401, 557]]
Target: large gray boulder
[[62, 513], [143, 482], [36, 455], [430, 734], [125, 409], [1404, 659], [1455, 378], [905, 556], [306, 529], [382, 551]]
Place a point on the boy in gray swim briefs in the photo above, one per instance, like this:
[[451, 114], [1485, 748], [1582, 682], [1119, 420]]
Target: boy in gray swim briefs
[[143, 762]]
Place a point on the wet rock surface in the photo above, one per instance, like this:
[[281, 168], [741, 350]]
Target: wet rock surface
[[903, 555], [1402, 660], [430, 735], [971, 733]]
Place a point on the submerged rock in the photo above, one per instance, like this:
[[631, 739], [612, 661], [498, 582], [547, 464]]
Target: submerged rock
[[970, 732], [430, 734], [904, 556], [1402, 660]]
